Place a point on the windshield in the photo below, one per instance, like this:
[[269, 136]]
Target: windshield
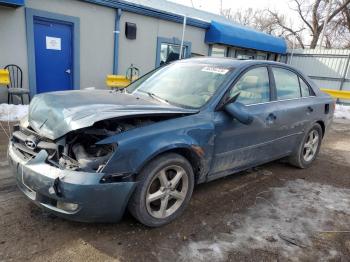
[[182, 84]]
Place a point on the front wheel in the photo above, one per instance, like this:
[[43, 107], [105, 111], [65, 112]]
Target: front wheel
[[164, 190], [308, 149]]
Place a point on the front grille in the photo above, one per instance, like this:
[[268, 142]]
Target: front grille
[[30, 143], [29, 131]]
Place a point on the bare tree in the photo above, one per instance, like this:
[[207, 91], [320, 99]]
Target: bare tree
[[255, 18], [286, 28], [312, 15], [266, 21], [338, 30]]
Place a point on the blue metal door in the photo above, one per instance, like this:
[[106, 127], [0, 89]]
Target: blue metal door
[[53, 55]]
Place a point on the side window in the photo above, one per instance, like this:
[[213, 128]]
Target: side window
[[305, 91], [253, 87], [287, 84]]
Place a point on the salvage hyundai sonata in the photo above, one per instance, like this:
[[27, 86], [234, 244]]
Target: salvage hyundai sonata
[[88, 155]]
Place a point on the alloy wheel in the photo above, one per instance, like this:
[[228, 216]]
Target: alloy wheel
[[167, 191], [311, 145]]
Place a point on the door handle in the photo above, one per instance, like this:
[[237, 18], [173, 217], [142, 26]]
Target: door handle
[[310, 109], [270, 119], [68, 71]]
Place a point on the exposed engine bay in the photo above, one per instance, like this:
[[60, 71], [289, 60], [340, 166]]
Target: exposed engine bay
[[81, 152], [78, 150]]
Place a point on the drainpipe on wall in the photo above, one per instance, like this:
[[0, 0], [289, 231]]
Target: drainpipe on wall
[[183, 36], [116, 40]]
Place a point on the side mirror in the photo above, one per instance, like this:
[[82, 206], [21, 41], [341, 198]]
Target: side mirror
[[238, 111]]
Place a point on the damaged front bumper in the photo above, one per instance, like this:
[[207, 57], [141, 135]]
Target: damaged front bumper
[[73, 195]]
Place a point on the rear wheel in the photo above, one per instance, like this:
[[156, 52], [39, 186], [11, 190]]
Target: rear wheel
[[164, 190], [308, 149]]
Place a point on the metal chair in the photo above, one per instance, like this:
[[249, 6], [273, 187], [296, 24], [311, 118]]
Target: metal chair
[[15, 86]]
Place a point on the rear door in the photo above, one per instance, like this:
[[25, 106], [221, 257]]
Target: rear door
[[293, 111]]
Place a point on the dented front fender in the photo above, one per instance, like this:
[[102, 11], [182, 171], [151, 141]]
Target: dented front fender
[[138, 146]]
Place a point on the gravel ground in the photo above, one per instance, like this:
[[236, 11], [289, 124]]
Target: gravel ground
[[274, 212]]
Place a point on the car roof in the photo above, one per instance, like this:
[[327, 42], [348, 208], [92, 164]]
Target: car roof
[[226, 61]]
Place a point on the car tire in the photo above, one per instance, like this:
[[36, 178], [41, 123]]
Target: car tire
[[311, 142], [167, 181]]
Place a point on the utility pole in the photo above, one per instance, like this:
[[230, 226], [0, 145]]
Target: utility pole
[[221, 7], [293, 47], [325, 23], [183, 36]]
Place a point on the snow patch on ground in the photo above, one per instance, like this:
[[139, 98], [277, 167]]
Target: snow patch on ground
[[342, 111], [12, 112], [300, 211]]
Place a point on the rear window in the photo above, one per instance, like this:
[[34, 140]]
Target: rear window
[[287, 84], [305, 90]]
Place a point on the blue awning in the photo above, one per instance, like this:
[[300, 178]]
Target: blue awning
[[236, 35], [12, 3]]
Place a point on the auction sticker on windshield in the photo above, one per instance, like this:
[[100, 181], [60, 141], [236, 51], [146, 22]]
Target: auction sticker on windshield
[[215, 70]]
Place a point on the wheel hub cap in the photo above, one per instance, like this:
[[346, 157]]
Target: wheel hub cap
[[167, 191], [311, 146]]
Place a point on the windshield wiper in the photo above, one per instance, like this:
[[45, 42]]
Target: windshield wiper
[[154, 96]]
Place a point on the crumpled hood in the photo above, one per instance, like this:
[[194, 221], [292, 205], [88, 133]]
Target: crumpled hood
[[55, 114]]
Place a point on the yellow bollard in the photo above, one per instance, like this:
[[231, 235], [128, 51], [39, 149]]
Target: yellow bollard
[[117, 81], [4, 77], [341, 94]]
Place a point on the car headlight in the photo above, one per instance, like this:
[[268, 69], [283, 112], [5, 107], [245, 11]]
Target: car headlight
[[24, 122]]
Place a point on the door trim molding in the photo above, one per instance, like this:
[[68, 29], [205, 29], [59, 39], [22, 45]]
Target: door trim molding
[[30, 14]]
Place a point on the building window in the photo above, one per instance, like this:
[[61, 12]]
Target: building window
[[218, 51], [168, 49], [231, 52], [245, 54], [196, 55], [171, 52], [271, 57], [261, 56]]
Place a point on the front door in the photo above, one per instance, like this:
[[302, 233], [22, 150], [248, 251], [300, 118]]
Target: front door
[[53, 42], [238, 146]]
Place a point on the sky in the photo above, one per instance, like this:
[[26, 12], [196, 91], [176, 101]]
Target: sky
[[281, 6], [213, 6]]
